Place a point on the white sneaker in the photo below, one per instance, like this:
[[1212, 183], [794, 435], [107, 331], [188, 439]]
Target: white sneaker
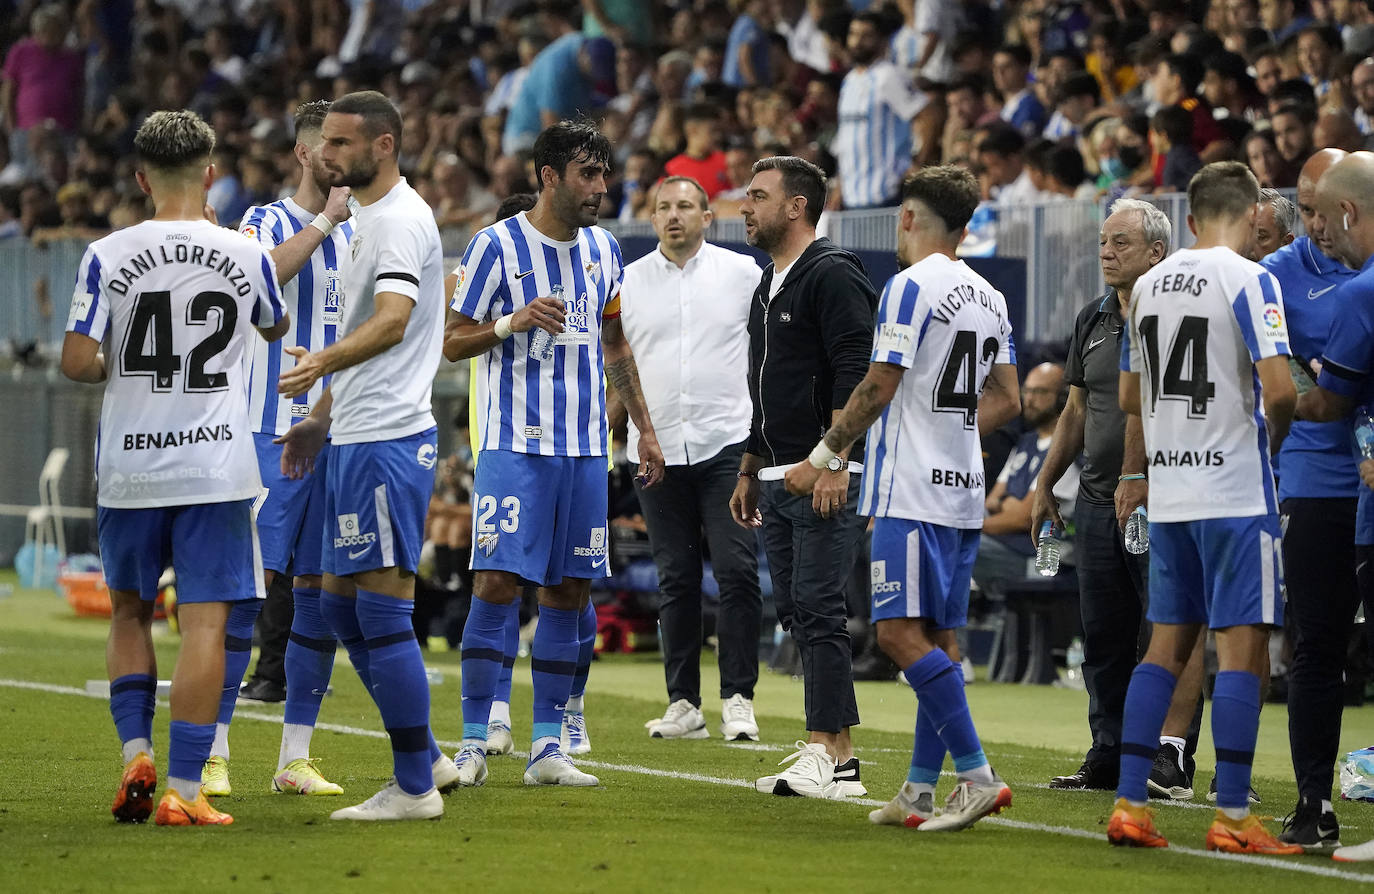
[[968, 803], [810, 776], [846, 782], [499, 739], [1355, 853], [445, 774], [552, 767], [905, 809], [573, 738], [393, 804], [737, 720], [471, 764], [682, 720]]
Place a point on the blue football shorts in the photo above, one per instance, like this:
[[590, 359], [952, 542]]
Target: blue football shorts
[[213, 547], [290, 513], [376, 499], [921, 570], [1221, 572]]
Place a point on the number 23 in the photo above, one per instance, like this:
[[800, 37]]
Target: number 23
[[486, 508]]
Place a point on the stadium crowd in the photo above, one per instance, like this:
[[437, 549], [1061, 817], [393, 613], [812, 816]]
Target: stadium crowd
[[747, 104], [1040, 98]]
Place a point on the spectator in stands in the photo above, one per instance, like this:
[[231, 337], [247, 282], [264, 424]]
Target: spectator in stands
[[702, 160], [934, 24], [1078, 95], [1362, 88], [462, 206], [747, 51], [1065, 174], [1108, 60], [1004, 551], [43, 84], [1262, 155], [627, 22], [999, 151], [1281, 19], [79, 220], [878, 112], [227, 194], [1336, 129], [1111, 581], [641, 170], [1176, 80], [1171, 132], [1356, 22], [965, 109], [1011, 66], [1318, 47], [1292, 126], [1273, 224], [1267, 63], [558, 85], [1229, 89]]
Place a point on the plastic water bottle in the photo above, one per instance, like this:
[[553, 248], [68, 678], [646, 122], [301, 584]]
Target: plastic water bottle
[[1137, 532], [1047, 551], [541, 341], [1074, 660], [434, 676], [1364, 433]]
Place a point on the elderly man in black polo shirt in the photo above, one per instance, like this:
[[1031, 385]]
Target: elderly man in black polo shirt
[[1112, 582], [811, 332]]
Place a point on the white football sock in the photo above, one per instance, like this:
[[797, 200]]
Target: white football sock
[[220, 748], [189, 789], [132, 748], [574, 704], [295, 743], [500, 713]]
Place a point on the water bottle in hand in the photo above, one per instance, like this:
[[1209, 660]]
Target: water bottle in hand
[[1137, 532], [1364, 433], [541, 341], [1047, 551]]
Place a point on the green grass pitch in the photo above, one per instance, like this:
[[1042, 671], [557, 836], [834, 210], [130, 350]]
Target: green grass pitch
[[669, 816]]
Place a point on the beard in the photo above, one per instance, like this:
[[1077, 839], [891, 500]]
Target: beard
[[767, 235], [362, 173]]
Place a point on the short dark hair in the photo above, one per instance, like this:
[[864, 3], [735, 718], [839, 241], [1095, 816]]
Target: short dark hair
[[1003, 139], [1037, 154], [1080, 83], [800, 178], [1188, 69], [949, 191], [1222, 189], [679, 178], [172, 140], [1229, 66], [560, 144], [1295, 90], [379, 114], [310, 115], [972, 82], [1175, 122], [1065, 164], [1302, 111], [884, 24], [701, 111], [1017, 51], [1261, 51], [512, 205], [1329, 36]]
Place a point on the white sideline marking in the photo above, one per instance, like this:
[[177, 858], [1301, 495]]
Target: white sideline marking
[[1265, 862]]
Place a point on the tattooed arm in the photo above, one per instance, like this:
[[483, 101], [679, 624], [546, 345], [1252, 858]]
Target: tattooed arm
[[623, 376], [863, 408]]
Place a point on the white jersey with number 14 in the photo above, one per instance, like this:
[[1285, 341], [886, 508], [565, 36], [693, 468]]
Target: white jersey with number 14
[[178, 301], [1199, 322], [946, 326]]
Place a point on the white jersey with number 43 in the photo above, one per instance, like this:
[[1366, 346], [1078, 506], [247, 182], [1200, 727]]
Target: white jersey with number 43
[[946, 326], [176, 303], [1200, 320]]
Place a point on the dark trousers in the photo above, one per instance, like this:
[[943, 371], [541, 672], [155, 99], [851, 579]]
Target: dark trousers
[[1113, 596], [274, 630], [687, 501], [1319, 573], [810, 558]]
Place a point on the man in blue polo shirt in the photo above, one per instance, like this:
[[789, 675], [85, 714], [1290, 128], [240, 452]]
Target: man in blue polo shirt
[[1316, 486]]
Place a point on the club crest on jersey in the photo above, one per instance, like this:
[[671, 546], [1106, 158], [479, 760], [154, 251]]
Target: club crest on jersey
[[355, 243], [426, 456], [487, 542], [594, 272]]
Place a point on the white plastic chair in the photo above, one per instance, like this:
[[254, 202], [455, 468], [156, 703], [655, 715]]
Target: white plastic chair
[[43, 523]]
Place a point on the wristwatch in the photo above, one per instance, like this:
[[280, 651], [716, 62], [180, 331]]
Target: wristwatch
[[835, 464]]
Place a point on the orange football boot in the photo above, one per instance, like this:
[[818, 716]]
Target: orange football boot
[[1247, 836], [133, 802], [173, 810], [1133, 826]]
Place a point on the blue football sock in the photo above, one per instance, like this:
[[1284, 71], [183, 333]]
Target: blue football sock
[[553, 661], [484, 652], [188, 747], [1147, 703], [512, 650], [309, 658], [399, 686], [133, 698], [939, 686], [586, 648], [238, 652], [1235, 724], [341, 614], [928, 752]]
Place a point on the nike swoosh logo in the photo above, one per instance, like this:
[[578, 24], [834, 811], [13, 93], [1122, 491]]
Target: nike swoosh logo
[[1313, 294], [599, 562], [359, 553], [523, 273], [879, 603], [1094, 344]]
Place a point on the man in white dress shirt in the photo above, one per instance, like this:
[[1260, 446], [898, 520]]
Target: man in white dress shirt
[[685, 309]]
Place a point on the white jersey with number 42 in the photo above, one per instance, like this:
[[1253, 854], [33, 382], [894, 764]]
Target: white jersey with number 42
[[946, 326], [1199, 322], [176, 303]]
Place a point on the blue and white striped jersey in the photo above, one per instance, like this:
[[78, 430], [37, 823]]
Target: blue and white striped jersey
[[946, 326], [873, 141], [557, 408], [315, 300]]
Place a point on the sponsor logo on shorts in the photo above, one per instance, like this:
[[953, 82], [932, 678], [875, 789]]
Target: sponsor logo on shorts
[[349, 535], [878, 582], [596, 547], [487, 542], [426, 455]]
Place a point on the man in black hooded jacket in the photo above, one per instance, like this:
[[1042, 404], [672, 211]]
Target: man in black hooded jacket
[[810, 331]]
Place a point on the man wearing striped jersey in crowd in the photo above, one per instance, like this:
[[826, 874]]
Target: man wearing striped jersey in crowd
[[539, 301], [307, 235]]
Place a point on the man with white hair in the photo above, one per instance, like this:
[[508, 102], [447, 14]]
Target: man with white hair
[[1111, 581], [1273, 225]]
